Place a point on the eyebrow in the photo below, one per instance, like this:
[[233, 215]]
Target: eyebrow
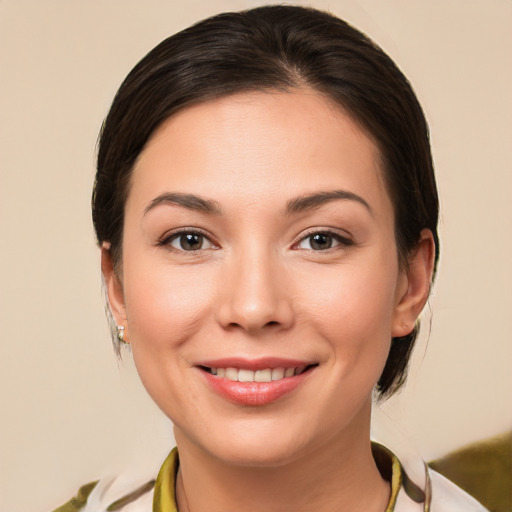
[[189, 201], [318, 199], [296, 205]]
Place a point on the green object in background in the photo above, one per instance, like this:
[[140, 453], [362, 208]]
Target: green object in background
[[483, 469]]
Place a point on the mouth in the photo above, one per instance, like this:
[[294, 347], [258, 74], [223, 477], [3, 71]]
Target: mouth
[[263, 375], [255, 383]]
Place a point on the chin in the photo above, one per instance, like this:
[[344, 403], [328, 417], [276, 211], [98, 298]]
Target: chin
[[251, 443], [261, 454]]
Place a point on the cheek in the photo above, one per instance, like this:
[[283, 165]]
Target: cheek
[[165, 304], [166, 307], [353, 309]]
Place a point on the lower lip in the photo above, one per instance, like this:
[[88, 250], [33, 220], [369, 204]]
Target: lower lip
[[254, 393]]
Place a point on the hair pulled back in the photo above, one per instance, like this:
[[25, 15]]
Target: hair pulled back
[[276, 48]]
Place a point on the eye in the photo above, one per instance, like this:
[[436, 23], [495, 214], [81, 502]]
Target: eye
[[188, 241], [321, 241]]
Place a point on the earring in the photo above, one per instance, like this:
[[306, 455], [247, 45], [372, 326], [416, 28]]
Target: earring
[[120, 334]]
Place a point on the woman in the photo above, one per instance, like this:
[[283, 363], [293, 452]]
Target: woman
[[267, 211]]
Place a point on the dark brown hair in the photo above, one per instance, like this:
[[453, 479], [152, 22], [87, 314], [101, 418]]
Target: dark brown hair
[[276, 48]]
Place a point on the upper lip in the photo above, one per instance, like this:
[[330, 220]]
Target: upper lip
[[260, 363]]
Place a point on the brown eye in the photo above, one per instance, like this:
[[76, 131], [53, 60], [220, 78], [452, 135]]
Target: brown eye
[[190, 242], [322, 241]]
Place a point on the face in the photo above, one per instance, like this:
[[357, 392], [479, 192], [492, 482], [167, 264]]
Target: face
[[260, 283]]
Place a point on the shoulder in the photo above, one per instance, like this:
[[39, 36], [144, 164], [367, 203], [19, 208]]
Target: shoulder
[[448, 497], [440, 495], [112, 494], [483, 469], [130, 492], [78, 502], [417, 488]]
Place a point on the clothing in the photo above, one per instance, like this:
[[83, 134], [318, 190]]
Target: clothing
[[110, 495]]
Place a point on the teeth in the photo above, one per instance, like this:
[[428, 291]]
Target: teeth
[[245, 376], [278, 373], [299, 370], [263, 376], [231, 374], [266, 375]]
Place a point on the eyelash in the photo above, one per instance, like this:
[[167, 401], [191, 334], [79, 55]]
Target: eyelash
[[339, 240], [168, 238]]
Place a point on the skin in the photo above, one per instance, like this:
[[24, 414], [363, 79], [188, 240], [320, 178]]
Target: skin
[[257, 287]]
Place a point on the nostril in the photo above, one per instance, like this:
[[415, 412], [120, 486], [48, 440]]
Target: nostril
[[253, 315], [234, 325]]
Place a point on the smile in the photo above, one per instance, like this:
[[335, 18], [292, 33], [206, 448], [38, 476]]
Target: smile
[[264, 375], [255, 383]]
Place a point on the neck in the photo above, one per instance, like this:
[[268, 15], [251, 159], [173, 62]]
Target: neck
[[339, 475]]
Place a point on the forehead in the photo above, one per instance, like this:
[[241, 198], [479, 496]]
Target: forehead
[[252, 145]]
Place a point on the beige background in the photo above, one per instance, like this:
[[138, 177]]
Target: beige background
[[69, 412]]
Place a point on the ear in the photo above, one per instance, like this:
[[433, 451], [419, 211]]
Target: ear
[[113, 286], [414, 285]]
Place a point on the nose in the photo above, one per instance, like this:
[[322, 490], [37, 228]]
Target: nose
[[253, 295]]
